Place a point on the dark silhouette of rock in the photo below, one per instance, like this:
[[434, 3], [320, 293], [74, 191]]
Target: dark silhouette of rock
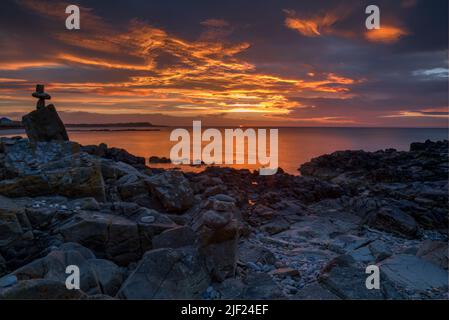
[[44, 124], [41, 95]]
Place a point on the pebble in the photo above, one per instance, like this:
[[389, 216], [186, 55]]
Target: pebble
[[147, 219]]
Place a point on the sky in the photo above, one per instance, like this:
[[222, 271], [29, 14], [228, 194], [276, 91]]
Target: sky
[[233, 62]]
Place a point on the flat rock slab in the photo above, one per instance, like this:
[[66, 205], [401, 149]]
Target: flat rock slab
[[414, 273]]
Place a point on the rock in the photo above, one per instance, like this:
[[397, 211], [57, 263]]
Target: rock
[[379, 250], [363, 255], [285, 272], [17, 245], [73, 246], [315, 292], [435, 252], [231, 289], [214, 190], [116, 154], [260, 286], [414, 273], [109, 275], [130, 186], [53, 267], [396, 221], [41, 95], [109, 236], [346, 279], [187, 278], [147, 219], [40, 289], [72, 176], [275, 226], [175, 238], [3, 268], [216, 220], [221, 259], [173, 190], [44, 124], [86, 204], [222, 203], [121, 155], [8, 281], [249, 252], [155, 159]]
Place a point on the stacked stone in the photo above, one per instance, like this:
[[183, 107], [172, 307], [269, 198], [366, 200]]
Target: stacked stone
[[44, 124]]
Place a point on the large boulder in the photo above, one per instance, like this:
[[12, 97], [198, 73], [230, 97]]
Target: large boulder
[[110, 236], [44, 124], [167, 274], [53, 267]]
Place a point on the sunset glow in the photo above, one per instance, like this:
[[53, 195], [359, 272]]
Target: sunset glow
[[314, 69]]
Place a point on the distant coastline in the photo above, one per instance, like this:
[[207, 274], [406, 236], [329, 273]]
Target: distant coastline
[[143, 125]]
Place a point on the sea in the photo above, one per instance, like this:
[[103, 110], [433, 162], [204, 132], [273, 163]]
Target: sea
[[295, 145]]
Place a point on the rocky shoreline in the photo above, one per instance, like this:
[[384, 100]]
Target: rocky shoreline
[[142, 233]]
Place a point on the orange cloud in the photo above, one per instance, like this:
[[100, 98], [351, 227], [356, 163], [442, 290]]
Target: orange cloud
[[164, 73], [386, 34], [19, 65], [311, 27]]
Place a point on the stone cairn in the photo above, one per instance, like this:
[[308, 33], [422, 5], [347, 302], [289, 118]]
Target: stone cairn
[[44, 124], [41, 95]]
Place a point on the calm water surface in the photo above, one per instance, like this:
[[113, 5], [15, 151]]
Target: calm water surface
[[296, 145]]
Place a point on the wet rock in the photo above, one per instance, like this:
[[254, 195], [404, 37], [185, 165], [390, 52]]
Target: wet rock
[[187, 278]]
